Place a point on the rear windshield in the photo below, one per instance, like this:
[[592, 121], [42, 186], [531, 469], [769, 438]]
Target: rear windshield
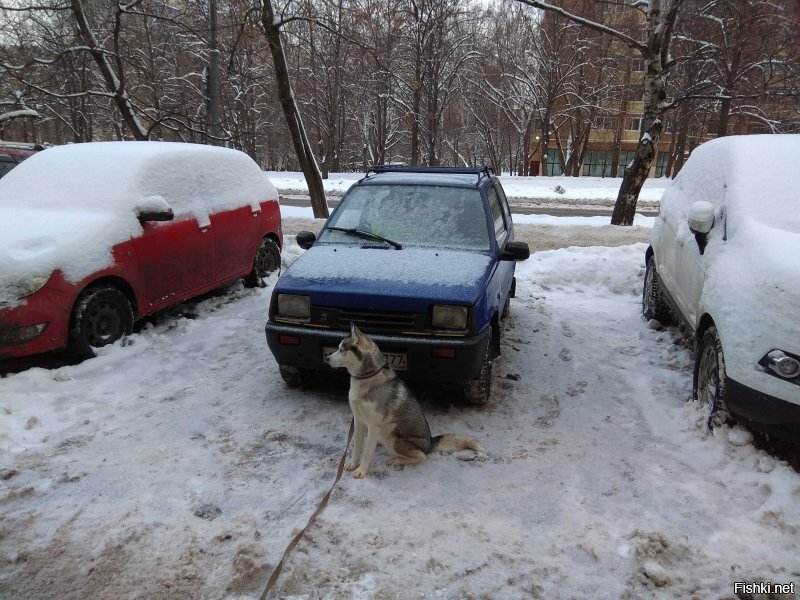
[[413, 215]]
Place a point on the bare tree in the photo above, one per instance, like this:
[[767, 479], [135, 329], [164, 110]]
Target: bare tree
[[271, 24], [750, 53], [653, 44]]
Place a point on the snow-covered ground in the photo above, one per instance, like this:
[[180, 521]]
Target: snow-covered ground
[[565, 189], [178, 465]]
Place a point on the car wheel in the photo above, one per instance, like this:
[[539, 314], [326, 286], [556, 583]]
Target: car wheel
[[101, 316], [478, 391], [710, 381], [653, 305], [294, 376], [266, 260]]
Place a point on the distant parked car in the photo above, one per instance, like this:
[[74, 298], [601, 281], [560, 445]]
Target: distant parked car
[[421, 260], [13, 153], [95, 236], [724, 261]]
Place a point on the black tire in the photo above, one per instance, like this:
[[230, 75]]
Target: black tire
[[653, 305], [295, 377], [478, 391], [266, 260], [710, 381], [101, 316]]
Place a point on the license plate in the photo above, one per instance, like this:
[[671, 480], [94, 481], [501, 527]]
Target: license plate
[[394, 360]]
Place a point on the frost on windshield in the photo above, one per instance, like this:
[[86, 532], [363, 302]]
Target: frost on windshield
[[414, 215]]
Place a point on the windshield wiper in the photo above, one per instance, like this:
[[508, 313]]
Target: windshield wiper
[[365, 234]]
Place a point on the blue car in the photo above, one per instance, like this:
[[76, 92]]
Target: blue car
[[422, 260]]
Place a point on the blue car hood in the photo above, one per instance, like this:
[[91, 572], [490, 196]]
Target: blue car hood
[[387, 279]]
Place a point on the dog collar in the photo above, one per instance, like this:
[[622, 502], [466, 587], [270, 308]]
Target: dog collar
[[368, 375]]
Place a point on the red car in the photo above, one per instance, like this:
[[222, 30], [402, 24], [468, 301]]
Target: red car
[[94, 236]]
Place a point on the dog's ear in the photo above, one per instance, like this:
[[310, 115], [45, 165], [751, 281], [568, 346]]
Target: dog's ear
[[355, 331]]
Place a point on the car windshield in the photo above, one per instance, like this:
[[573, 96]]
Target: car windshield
[[411, 215]]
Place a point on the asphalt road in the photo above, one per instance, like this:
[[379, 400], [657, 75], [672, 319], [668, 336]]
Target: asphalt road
[[518, 205]]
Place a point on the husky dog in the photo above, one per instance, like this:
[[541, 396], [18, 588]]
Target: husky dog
[[385, 410]]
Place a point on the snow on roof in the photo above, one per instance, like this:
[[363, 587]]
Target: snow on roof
[[114, 175], [755, 175]]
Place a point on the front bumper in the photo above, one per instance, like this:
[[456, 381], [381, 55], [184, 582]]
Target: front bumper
[[763, 412], [39, 324], [422, 365]]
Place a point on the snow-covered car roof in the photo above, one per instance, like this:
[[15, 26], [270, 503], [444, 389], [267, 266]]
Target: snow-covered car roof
[[119, 175], [756, 175]]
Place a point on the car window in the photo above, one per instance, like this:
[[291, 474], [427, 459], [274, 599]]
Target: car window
[[500, 229], [414, 215], [503, 203], [6, 165]]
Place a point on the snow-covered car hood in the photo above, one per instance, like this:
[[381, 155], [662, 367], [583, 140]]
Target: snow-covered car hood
[[35, 242], [378, 278], [752, 291]]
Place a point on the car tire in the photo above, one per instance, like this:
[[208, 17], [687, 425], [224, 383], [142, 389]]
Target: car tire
[[265, 261], [653, 305], [478, 391], [101, 316], [295, 377], [710, 380]]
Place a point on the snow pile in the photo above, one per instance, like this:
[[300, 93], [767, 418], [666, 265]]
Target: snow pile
[[116, 176]]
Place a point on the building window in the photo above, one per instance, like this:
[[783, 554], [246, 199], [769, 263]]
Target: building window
[[603, 123], [625, 159], [661, 164], [553, 164], [597, 163], [635, 124]]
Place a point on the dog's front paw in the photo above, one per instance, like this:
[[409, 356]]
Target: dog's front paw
[[360, 473], [353, 464]]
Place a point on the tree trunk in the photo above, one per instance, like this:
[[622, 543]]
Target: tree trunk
[[302, 147], [113, 79], [634, 178], [650, 133], [658, 39]]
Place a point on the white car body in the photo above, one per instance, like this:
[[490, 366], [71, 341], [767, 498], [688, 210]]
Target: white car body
[[746, 281]]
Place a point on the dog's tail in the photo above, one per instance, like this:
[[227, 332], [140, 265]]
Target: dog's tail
[[450, 443]]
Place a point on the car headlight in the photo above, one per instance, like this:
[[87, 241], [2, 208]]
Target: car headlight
[[28, 287], [782, 365], [449, 317], [293, 306]]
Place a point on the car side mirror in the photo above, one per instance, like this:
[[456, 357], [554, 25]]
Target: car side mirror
[[701, 220], [306, 239], [154, 208], [515, 251]]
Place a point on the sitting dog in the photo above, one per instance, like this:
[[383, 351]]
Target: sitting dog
[[385, 410]]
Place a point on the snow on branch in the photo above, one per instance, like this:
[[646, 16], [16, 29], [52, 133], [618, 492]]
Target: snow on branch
[[16, 114], [628, 40]]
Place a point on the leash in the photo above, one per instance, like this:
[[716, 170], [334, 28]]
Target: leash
[[276, 573]]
